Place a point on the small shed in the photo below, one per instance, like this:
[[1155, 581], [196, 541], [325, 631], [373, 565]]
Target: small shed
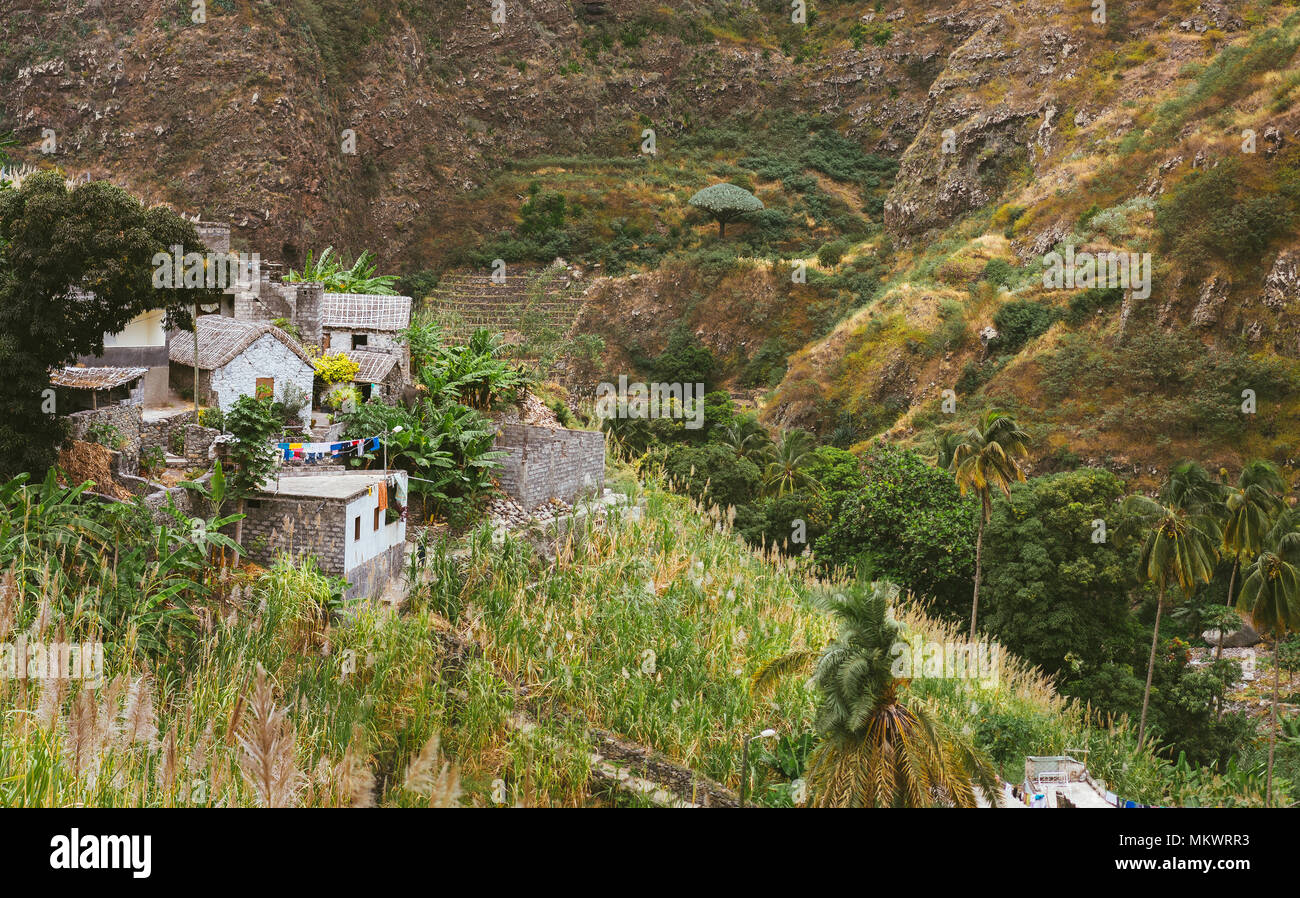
[[79, 388], [379, 374], [242, 358], [354, 523]]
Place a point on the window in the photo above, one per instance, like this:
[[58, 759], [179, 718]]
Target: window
[[359, 340], [265, 388], [356, 528], [377, 514]]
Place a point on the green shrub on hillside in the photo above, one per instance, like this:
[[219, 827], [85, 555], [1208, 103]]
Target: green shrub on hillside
[[1019, 321]]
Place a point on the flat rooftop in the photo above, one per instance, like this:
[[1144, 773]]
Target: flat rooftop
[[324, 486]]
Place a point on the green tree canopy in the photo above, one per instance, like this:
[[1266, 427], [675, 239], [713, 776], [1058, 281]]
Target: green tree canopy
[[75, 263], [1054, 595], [910, 521], [725, 203]]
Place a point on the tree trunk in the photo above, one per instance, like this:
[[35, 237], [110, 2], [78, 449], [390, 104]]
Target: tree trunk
[[1272, 732], [1151, 666], [975, 600], [722, 228], [239, 531], [196, 362], [1236, 561]]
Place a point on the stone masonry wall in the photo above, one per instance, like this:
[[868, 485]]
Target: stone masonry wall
[[126, 419], [158, 432], [299, 526], [544, 464], [197, 441]]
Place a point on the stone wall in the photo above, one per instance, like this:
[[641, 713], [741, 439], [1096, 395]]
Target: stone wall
[[544, 464], [158, 432], [197, 441], [299, 526], [126, 419], [369, 580]]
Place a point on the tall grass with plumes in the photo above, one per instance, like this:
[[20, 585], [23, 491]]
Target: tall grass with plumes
[[647, 621], [279, 707]]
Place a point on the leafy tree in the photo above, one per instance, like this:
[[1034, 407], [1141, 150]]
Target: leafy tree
[[772, 522], [876, 750], [1019, 321], [253, 425], [909, 521], [55, 242], [714, 474], [985, 460], [726, 203], [1054, 595], [1180, 547], [685, 360], [542, 213]]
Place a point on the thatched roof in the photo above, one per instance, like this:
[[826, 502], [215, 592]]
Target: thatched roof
[[365, 311], [375, 366], [95, 378], [221, 339]]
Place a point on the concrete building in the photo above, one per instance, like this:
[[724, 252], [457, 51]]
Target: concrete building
[[241, 358], [353, 523], [145, 341]]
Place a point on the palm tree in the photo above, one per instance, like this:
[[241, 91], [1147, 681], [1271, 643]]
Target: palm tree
[[787, 472], [876, 751], [1249, 511], [749, 440], [1271, 596], [984, 460], [1181, 544]]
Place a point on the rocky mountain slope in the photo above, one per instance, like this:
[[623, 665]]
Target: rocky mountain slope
[[916, 158]]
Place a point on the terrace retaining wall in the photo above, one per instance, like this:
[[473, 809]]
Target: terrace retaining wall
[[544, 463]]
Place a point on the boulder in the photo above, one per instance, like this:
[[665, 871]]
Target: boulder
[[1234, 639]]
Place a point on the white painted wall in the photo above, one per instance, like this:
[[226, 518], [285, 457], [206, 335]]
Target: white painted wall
[[145, 329], [265, 357], [373, 542]]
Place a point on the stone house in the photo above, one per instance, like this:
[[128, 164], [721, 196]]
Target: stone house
[[146, 340], [352, 522], [241, 358], [367, 322]]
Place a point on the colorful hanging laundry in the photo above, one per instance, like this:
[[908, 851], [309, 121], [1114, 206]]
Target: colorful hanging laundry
[[311, 452]]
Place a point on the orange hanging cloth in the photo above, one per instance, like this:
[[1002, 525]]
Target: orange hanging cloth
[[383, 495]]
